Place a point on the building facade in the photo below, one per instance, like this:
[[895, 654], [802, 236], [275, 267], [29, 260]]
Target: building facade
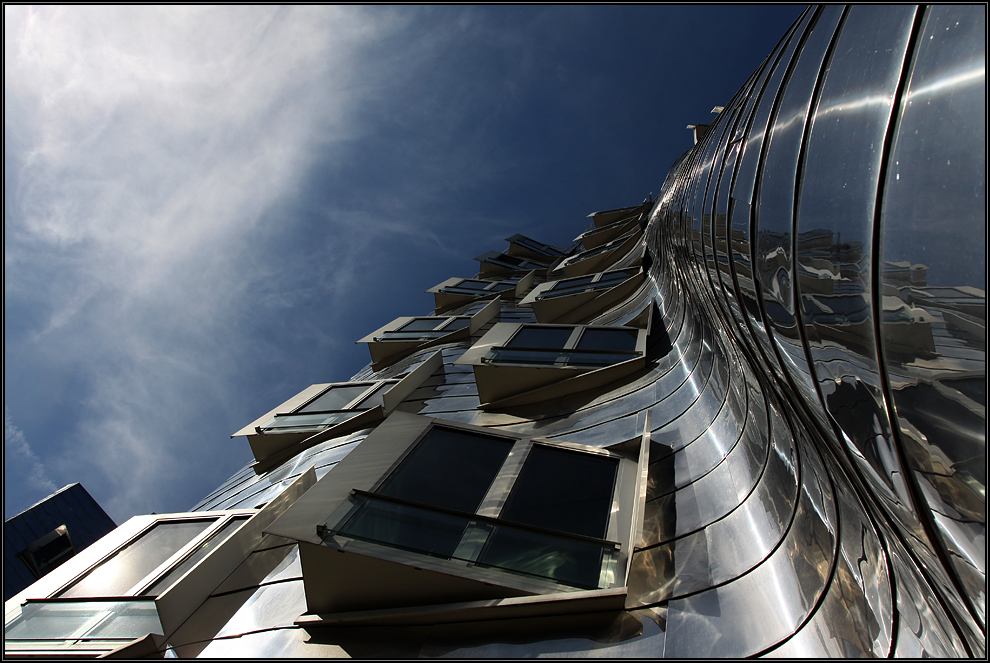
[[49, 533], [745, 418]]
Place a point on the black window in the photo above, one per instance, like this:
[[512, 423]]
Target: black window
[[552, 524], [579, 347]]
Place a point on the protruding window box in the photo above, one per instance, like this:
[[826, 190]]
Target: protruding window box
[[456, 291], [403, 336], [599, 236], [385, 532], [524, 247], [143, 579], [519, 364], [324, 411], [495, 264], [581, 298], [608, 217], [603, 257]]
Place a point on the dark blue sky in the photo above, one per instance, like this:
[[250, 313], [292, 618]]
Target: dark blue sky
[[206, 206]]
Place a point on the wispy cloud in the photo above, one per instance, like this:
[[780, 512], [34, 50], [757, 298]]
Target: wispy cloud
[[27, 464], [147, 148]]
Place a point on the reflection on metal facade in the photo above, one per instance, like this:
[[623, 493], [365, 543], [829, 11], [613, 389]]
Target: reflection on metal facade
[[803, 448]]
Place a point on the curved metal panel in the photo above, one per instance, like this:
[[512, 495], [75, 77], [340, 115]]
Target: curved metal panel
[[933, 274]]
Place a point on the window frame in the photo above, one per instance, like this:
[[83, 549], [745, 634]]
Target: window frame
[[370, 465], [174, 604], [502, 385], [271, 448], [385, 352], [446, 297]]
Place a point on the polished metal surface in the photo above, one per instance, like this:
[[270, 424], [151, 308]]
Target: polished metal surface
[[814, 389]]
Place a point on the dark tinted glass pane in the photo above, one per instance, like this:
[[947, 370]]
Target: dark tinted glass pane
[[406, 527], [448, 468], [457, 323], [570, 283], [544, 555], [623, 340], [421, 324], [470, 284], [540, 337], [563, 490], [499, 287], [334, 399]]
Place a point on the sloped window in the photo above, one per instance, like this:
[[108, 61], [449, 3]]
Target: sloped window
[[584, 347], [336, 404], [474, 287], [592, 283], [548, 521], [425, 329]]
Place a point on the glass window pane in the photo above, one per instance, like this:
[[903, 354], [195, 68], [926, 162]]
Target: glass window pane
[[406, 527], [334, 399], [115, 576], [103, 619], [569, 561], [471, 284], [375, 398], [572, 283], [204, 549], [422, 324], [449, 468], [540, 337], [499, 287], [620, 340], [286, 423], [457, 323], [563, 490]]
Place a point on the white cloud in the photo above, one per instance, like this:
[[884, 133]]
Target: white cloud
[[146, 145]]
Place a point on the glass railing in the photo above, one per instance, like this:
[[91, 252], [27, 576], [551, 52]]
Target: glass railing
[[544, 357], [121, 619], [570, 559], [291, 423], [412, 335], [564, 289]]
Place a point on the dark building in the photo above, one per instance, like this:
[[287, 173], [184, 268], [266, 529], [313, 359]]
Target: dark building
[[746, 418], [45, 535]]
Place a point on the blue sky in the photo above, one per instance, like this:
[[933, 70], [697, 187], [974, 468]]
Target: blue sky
[[206, 206]]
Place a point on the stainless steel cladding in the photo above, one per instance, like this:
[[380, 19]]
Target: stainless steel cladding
[[830, 228]]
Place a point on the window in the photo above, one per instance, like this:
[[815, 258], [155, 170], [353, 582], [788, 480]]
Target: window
[[567, 346], [531, 247], [405, 335], [323, 411], [147, 576], [520, 364], [48, 552], [584, 255], [425, 329], [494, 263], [336, 404], [507, 515], [592, 283], [148, 565], [475, 287], [552, 526]]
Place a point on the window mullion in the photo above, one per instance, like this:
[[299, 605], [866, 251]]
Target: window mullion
[[498, 493], [574, 338]]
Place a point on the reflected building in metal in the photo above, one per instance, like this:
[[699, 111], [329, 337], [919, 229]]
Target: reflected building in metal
[[746, 418]]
